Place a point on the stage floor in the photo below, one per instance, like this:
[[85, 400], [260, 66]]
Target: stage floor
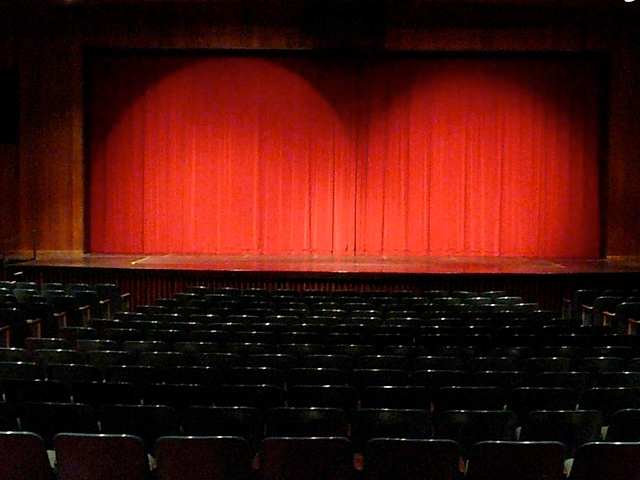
[[147, 277], [336, 264]]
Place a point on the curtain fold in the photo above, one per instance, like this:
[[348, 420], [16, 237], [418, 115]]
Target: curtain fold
[[402, 155]]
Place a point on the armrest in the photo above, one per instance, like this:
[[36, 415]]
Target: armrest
[[125, 299], [567, 307], [61, 318], [5, 331], [607, 317], [38, 324], [106, 306], [85, 314], [631, 325], [586, 314]]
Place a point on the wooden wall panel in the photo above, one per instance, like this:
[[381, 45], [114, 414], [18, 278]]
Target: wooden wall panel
[[51, 180], [9, 208], [7, 37], [9, 160], [622, 172]]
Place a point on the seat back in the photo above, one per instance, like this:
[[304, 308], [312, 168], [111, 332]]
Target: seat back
[[492, 460], [177, 395], [469, 398], [100, 457], [20, 391], [609, 400], [526, 399], [410, 397], [330, 396], [262, 397], [254, 376], [244, 422], [411, 459], [148, 422], [306, 422], [624, 426], [202, 458], [316, 376], [627, 315], [377, 377], [50, 418], [21, 370], [570, 427], [96, 394], [309, 458], [598, 460], [370, 423], [70, 373], [23, 456], [468, 427]]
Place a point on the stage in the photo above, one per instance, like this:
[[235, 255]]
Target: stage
[[546, 281]]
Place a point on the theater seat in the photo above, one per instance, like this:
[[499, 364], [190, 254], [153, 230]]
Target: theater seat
[[147, 422], [308, 458], [624, 426], [468, 427], [469, 398], [526, 399], [411, 397], [611, 461], [23, 456], [496, 460], [100, 457], [329, 396], [610, 400], [370, 423], [572, 428], [411, 459], [202, 458], [47, 419], [306, 422]]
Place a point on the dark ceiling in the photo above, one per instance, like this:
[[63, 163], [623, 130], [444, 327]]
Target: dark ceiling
[[608, 4], [360, 13]]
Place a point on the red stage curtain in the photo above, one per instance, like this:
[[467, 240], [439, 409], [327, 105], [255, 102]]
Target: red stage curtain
[[325, 155]]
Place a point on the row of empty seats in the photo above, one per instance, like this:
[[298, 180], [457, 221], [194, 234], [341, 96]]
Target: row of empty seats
[[435, 333], [595, 360], [616, 308], [359, 385], [521, 401], [467, 427], [28, 308], [286, 307], [329, 458]]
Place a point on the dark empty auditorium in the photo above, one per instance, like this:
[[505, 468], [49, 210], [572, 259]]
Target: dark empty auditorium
[[320, 240]]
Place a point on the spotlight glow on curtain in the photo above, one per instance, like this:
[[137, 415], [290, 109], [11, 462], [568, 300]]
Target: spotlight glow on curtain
[[315, 155]]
